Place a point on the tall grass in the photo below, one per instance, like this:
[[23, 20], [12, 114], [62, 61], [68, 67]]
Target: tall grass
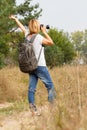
[[70, 109], [13, 84]]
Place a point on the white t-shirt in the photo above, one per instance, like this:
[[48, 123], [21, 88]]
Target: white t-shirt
[[37, 44]]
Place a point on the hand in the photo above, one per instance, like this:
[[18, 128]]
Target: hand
[[12, 17], [43, 29]]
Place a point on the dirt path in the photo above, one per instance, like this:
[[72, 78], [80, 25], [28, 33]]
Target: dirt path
[[25, 121], [5, 105], [20, 121]]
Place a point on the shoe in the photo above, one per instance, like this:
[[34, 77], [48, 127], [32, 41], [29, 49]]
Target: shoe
[[37, 113], [34, 110]]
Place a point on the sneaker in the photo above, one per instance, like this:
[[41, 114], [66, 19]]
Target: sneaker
[[37, 113], [34, 110]]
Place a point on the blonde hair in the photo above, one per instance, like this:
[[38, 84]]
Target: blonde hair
[[34, 26]]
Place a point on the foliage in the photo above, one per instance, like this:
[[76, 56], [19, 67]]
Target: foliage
[[62, 51], [4, 49], [84, 45], [79, 39], [16, 38], [25, 12], [54, 56], [6, 8], [1, 60]]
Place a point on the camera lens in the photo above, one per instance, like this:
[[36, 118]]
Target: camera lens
[[47, 27]]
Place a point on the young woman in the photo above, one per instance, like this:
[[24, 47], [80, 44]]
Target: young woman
[[42, 71]]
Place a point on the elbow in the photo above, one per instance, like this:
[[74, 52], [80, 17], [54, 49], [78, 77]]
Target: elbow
[[51, 43]]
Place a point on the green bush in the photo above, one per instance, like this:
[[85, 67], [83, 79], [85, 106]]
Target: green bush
[[62, 51], [2, 63], [54, 56]]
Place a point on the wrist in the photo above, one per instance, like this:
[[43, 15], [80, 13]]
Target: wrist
[[15, 19], [45, 33]]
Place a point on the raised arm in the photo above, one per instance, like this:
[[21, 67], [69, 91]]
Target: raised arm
[[47, 39], [18, 23]]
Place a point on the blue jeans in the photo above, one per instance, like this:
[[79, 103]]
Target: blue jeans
[[40, 73]]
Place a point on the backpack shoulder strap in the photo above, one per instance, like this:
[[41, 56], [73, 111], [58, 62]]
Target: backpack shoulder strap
[[31, 39]]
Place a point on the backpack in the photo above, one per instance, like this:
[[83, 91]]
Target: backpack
[[26, 56]]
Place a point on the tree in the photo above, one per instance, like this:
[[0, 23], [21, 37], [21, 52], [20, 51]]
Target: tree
[[27, 11], [24, 12], [84, 47], [6, 8], [62, 51], [77, 39]]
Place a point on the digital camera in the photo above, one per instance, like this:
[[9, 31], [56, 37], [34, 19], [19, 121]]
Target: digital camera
[[47, 26]]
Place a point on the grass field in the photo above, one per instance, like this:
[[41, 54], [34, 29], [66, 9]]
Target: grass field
[[67, 113]]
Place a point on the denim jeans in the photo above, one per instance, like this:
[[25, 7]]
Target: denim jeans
[[40, 73]]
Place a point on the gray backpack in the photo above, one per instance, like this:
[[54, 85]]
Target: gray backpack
[[27, 59]]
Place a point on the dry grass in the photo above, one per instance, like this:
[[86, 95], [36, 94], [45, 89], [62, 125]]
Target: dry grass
[[70, 110], [13, 84]]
